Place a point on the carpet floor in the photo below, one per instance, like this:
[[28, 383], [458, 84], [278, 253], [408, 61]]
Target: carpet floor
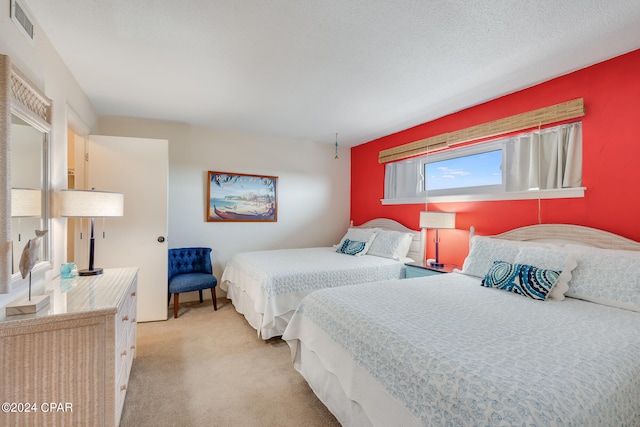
[[209, 368]]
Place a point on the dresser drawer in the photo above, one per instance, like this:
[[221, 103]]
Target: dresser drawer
[[122, 336], [131, 341], [126, 344], [121, 392], [133, 324]]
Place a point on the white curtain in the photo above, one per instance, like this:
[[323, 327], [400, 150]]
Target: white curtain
[[551, 158], [403, 179]]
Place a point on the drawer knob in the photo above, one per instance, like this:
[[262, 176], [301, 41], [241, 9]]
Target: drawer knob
[[124, 353], [123, 387], [133, 294], [125, 318]]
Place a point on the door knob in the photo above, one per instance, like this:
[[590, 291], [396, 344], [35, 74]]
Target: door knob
[[161, 239]]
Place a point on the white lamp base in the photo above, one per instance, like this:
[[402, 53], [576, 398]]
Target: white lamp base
[[26, 306]]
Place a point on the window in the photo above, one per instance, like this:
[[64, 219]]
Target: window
[[465, 173], [530, 165]]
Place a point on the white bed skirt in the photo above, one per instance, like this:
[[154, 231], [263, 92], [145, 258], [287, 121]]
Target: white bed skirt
[[245, 305], [356, 399]]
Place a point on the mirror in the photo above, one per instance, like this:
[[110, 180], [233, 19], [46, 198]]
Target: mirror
[[25, 115], [28, 185]]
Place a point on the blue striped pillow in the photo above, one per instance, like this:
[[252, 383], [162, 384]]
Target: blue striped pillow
[[522, 279]]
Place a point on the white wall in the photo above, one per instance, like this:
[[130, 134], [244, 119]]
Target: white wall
[[313, 187], [42, 65]]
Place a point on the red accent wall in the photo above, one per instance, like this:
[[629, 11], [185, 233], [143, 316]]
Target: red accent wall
[[611, 161]]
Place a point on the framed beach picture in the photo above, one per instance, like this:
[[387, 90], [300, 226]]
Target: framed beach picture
[[241, 197]]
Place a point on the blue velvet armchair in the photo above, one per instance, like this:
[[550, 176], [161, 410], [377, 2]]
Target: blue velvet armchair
[[190, 270]]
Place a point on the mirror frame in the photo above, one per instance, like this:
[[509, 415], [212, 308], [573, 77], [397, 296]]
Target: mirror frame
[[20, 97]]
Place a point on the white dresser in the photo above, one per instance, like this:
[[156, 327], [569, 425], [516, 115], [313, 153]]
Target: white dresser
[[69, 363]]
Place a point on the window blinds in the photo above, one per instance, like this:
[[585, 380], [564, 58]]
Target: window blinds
[[531, 119]]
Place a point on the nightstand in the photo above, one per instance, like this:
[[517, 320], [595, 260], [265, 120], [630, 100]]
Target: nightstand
[[422, 269]]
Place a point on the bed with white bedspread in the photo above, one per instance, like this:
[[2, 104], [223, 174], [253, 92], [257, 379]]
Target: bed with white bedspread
[[267, 286], [448, 350]]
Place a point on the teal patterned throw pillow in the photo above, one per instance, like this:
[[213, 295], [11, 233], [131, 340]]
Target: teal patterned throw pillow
[[522, 279], [352, 247]]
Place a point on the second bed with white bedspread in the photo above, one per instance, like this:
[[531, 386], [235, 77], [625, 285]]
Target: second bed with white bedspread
[[267, 286]]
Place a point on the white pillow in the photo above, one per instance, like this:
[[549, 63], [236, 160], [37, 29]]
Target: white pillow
[[606, 276], [550, 257], [391, 244], [484, 251], [358, 235]]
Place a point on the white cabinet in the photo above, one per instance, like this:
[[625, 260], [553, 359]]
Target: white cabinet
[[69, 363]]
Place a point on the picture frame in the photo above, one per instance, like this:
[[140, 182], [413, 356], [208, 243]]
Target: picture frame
[[241, 197]]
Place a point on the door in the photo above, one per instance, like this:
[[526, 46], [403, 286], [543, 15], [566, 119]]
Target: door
[[76, 180], [139, 168]]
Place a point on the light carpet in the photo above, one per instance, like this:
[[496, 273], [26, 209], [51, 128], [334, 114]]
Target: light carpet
[[209, 368]]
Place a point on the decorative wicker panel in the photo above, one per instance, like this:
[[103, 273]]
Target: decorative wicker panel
[[27, 97], [5, 176]]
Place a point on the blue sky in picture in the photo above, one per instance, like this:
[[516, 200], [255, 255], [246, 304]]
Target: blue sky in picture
[[242, 185], [468, 171]]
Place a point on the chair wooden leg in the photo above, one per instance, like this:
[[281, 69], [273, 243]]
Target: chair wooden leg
[[200, 292], [213, 297], [175, 305]]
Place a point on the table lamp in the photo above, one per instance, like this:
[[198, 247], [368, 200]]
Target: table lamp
[[90, 204], [437, 220], [25, 202]]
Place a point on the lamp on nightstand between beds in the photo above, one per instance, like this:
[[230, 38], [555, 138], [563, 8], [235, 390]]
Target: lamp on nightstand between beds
[[437, 220]]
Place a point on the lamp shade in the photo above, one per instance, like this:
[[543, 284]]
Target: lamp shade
[[438, 220], [26, 202], [90, 203]]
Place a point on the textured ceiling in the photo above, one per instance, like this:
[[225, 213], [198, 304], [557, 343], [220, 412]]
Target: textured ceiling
[[308, 69]]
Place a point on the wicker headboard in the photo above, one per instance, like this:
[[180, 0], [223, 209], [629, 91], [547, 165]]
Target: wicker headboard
[[418, 243]]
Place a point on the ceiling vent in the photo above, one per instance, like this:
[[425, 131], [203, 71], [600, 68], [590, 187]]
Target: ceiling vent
[[22, 18]]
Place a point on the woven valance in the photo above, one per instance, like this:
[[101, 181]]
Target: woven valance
[[542, 116]]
